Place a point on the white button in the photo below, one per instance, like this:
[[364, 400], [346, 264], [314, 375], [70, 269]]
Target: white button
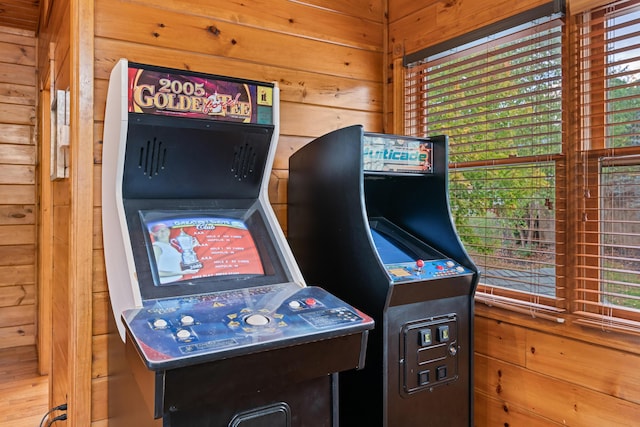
[[450, 264], [257, 320], [183, 333], [160, 323], [187, 320], [294, 304]]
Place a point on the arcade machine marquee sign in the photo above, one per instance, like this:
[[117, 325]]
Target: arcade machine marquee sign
[[180, 95]]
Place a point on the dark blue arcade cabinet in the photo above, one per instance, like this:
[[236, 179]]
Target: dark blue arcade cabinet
[[215, 324], [369, 217]]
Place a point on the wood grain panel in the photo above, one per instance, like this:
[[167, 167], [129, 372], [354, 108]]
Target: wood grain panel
[[17, 295], [16, 36], [18, 194], [100, 359], [365, 9], [20, 14], [101, 312], [17, 235], [314, 121], [151, 26], [23, 402], [17, 275], [500, 340], [447, 19], [17, 54], [17, 255], [17, 74], [97, 229], [494, 412], [401, 8], [17, 315], [16, 134], [355, 26], [17, 154], [17, 214], [99, 402], [551, 398], [18, 335], [17, 174], [609, 371], [17, 94], [99, 272], [17, 114]]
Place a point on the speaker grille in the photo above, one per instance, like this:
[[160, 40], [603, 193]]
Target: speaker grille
[[244, 161], [153, 156]]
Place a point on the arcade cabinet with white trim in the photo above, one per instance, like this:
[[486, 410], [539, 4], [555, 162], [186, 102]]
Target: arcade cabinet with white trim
[[215, 324]]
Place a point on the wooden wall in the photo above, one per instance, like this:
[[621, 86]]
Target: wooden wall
[[64, 237], [17, 188], [333, 60], [528, 371], [325, 55]]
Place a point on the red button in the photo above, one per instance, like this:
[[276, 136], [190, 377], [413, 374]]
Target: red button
[[310, 301], [439, 267]]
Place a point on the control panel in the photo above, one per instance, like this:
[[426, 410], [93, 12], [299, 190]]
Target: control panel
[[429, 349], [178, 331], [424, 270]]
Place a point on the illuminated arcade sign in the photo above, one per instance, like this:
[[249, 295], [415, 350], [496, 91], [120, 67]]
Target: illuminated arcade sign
[[404, 155], [167, 93]]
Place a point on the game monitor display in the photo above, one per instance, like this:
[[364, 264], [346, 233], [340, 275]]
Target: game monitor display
[[191, 251], [394, 245], [193, 246]]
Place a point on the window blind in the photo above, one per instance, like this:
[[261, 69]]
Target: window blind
[[499, 99], [607, 293]]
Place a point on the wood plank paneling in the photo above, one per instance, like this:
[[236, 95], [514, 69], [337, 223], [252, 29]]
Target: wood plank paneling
[[500, 340], [19, 295], [17, 94], [17, 154], [603, 369], [16, 275], [365, 9], [17, 194], [17, 336], [156, 27], [351, 24], [16, 53], [489, 411], [17, 255], [554, 399], [439, 21], [15, 134], [17, 74], [17, 190], [17, 214]]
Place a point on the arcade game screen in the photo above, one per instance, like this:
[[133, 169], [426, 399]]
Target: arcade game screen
[[395, 246], [183, 246]]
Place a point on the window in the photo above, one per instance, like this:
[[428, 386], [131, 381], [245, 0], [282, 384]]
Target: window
[[544, 134], [499, 99], [607, 293]]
